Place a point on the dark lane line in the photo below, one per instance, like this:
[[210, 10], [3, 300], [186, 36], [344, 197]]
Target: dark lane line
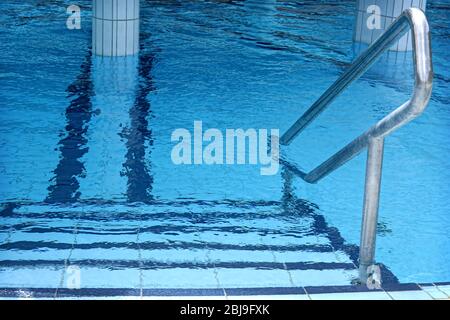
[[136, 168], [74, 145], [163, 245], [157, 265]]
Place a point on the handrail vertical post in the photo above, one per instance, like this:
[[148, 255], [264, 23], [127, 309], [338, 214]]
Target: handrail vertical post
[[371, 204]]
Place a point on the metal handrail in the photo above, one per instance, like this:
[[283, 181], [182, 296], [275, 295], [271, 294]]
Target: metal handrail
[[373, 138]]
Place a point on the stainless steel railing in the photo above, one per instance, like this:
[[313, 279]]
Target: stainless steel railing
[[373, 138]]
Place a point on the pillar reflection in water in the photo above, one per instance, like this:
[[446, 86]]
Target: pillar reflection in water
[[117, 135]]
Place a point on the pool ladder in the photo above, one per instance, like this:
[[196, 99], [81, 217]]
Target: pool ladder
[[373, 138]]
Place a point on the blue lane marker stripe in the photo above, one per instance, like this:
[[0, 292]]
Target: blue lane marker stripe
[[136, 168], [264, 291], [160, 229], [73, 146], [156, 265], [33, 245], [338, 289], [135, 292]]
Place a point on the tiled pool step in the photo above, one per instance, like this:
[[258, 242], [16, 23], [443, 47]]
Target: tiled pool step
[[170, 246], [409, 291]]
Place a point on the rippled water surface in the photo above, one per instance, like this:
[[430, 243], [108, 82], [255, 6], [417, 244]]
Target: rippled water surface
[[80, 128]]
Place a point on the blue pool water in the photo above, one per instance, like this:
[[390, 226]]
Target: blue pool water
[[86, 176]]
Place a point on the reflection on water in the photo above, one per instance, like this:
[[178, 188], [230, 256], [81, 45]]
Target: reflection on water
[[73, 146], [139, 136], [231, 64], [98, 156]]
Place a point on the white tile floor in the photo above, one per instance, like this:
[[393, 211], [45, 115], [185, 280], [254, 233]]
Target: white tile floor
[[445, 289], [409, 295], [435, 292], [351, 296]]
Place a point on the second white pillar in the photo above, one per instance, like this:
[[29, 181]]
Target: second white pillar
[[374, 17]]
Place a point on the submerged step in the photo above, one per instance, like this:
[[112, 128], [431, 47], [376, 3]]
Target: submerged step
[[169, 245]]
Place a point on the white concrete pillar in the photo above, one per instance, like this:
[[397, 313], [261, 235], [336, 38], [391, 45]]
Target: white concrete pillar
[[374, 16], [115, 27]]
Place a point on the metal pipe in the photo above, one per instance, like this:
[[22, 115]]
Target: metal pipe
[[416, 20], [371, 204], [394, 120]]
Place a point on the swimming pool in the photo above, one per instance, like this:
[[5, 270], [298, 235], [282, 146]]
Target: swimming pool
[[86, 178]]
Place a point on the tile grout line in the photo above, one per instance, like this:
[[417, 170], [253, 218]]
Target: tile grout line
[[426, 291], [437, 287], [9, 235], [10, 232], [12, 229], [291, 281], [75, 234], [140, 262], [346, 272], [391, 297], [209, 260], [333, 249]]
